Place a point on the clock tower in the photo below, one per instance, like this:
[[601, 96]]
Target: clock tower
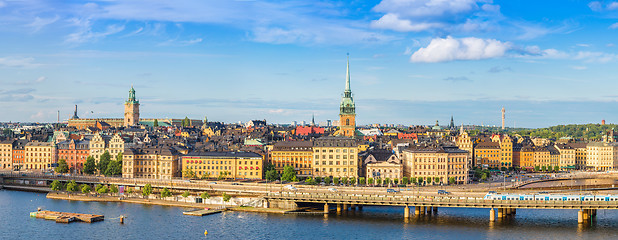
[[347, 109]]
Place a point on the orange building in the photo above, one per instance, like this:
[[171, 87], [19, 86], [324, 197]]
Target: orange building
[[18, 153], [74, 152]]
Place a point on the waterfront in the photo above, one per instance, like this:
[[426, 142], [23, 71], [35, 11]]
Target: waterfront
[[160, 222]]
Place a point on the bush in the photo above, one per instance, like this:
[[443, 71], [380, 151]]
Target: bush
[[85, 189], [166, 193], [226, 197], [205, 195], [72, 186], [56, 185], [113, 188]]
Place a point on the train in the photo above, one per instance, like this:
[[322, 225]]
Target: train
[[550, 197]]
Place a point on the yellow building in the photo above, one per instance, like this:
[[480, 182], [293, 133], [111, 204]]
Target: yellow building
[[335, 157], [298, 154], [464, 142], [39, 156], [382, 165], [153, 162], [506, 151], [567, 156], [428, 163], [541, 157], [526, 157], [487, 154], [101, 143], [236, 165], [602, 156], [6, 155]]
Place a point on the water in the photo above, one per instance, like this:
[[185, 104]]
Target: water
[[159, 222]]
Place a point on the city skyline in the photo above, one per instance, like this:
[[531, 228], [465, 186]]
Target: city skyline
[[411, 62]]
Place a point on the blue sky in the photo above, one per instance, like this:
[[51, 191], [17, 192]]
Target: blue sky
[[412, 61]]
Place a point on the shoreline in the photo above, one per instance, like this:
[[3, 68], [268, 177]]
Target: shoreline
[[92, 198]]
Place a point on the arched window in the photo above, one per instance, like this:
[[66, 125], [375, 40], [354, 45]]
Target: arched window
[[347, 122]]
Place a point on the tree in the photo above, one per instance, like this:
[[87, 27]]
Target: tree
[[90, 166], [165, 193], [387, 181], [56, 185], [336, 180], [484, 177], [370, 181], [379, 181], [288, 174], [537, 168], [436, 180], [185, 194], [413, 180], [205, 195], [405, 181], [147, 190], [361, 180], [344, 180], [327, 180], [155, 123], [226, 197], [186, 122], [85, 189], [544, 168], [318, 180], [310, 181], [113, 188], [451, 180], [556, 168], [271, 172], [129, 190], [63, 167], [72, 186], [295, 179], [114, 168], [97, 187], [103, 189], [396, 181], [119, 158], [103, 162], [352, 181]]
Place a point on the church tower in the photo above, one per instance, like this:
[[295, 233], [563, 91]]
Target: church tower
[[347, 109], [131, 110]]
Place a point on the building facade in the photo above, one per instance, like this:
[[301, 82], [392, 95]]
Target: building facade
[[39, 156], [436, 164], [236, 165], [383, 166], [298, 154], [74, 152], [156, 162], [99, 144], [6, 155], [335, 157], [602, 156]]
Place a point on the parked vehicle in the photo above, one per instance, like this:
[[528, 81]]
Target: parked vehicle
[[443, 192], [390, 190], [332, 189]]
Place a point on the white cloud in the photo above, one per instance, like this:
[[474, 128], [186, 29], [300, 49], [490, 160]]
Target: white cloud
[[2, 4], [18, 62], [599, 57], [579, 67], [393, 22], [595, 6], [28, 82], [612, 6], [86, 34], [39, 23], [439, 15], [613, 26], [452, 49]]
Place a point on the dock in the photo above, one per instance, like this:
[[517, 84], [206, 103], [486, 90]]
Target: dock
[[64, 217], [204, 212]]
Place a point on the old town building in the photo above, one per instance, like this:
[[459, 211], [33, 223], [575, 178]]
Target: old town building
[[6, 155], [336, 157], [487, 154], [298, 154], [157, 162], [99, 144], [347, 109], [131, 110], [382, 164], [436, 164], [39, 156], [74, 152], [234, 165], [602, 156]]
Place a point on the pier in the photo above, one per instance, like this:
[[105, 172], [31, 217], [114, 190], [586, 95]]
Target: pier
[[204, 212], [64, 217]]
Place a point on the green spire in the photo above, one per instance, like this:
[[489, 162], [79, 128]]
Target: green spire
[[347, 102], [347, 76], [132, 96]]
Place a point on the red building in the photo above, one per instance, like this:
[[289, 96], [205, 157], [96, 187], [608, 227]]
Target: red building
[[304, 131], [18, 153], [74, 152], [407, 136]]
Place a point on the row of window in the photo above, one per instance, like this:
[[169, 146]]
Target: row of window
[[336, 163]]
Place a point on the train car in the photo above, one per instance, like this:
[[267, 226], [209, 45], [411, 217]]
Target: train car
[[550, 197]]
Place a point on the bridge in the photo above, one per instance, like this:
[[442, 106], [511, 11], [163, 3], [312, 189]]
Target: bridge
[[427, 204], [423, 202]]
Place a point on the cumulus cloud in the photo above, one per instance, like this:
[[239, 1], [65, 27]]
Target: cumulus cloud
[[452, 49], [613, 26], [424, 15]]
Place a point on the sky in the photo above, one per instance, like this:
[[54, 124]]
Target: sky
[[412, 62]]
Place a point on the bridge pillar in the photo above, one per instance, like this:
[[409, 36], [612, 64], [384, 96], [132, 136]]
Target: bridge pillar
[[492, 215], [514, 211], [580, 216], [586, 214], [508, 212], [326, 208], [435, 209], [429, 210], [360, 207], [593, 213], [406, 212], [500, 212], [345, 207], [338, 207], [417, 210], [422, 210]]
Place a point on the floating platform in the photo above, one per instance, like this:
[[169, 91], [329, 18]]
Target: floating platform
[[204, 212], [64, 217]]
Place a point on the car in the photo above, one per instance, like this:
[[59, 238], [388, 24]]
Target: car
[[390, 190], [492, 192], [236, 183], [213, 183], [332, 189], [290, 187]]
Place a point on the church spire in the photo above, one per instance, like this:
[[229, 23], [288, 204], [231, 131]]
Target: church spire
[[347, 76]]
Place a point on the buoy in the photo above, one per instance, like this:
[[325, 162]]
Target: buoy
[[121, 219], [205, 232], [38, 209]]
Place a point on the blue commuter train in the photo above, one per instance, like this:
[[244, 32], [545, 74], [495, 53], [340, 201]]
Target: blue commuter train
[[550, 197]]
